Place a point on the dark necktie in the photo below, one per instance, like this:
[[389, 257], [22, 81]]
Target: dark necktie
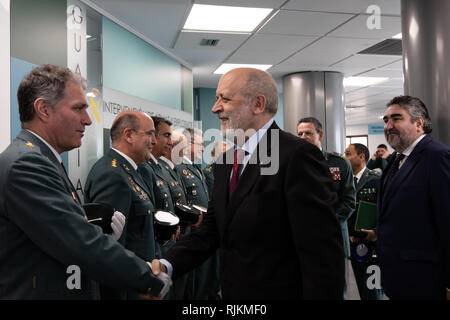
[[355, 179], [394, 169], [74, 192], [237, 164]]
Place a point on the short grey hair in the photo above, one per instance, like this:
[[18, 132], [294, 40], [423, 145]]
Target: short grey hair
[[47, 82], [416, 109], [260, 82]]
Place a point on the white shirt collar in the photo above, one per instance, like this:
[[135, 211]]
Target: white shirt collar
[[360, 173], [410, 149], [57, 155], [170, 163], [153, 158], [186, 160], [251, 144], [133, 164]]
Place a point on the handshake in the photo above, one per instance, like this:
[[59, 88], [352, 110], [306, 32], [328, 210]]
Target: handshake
[[113, 222], [159, 271]]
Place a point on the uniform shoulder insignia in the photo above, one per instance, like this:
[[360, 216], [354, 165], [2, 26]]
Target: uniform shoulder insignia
[[340, 155], [114, 163], [374, 173], [29, 144], [208, 169]]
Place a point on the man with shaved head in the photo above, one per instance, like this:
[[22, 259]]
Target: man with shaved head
[[114, 180], [276, 229]]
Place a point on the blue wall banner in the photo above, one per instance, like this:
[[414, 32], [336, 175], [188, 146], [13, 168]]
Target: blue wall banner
[[376, 128]]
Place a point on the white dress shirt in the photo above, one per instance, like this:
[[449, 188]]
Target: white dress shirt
[[410, 149]]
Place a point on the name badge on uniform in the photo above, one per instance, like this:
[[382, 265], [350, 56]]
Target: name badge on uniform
[[335, 172]]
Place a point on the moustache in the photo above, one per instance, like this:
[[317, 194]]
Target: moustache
[[392, 131]]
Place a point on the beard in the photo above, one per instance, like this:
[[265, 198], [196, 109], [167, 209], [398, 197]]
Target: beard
[[397, 141]]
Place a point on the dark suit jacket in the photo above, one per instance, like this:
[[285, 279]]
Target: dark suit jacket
[[43, 230], [413, 224], [278, 234]]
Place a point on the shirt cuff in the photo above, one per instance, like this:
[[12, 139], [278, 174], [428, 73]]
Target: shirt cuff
[[168, 265]]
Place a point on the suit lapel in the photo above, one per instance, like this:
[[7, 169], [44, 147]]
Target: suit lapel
[[400, 177], [250, 175]]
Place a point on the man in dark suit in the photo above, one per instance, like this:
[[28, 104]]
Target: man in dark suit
[[114, 180], [413, 209], [273, 220], [43, 226], [362, 242]]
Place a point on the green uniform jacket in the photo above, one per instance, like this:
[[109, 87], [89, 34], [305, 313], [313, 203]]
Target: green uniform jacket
[[378, 163], [174, 182], [343, 184], [366, 189], [153, 175], [195, 184], [209, 176], [43, 231], [112, 180]]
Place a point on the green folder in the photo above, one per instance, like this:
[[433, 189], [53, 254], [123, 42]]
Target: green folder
[[366, 217]]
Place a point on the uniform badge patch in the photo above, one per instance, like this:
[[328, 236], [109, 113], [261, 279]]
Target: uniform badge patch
[[335, 172], [29, 144]]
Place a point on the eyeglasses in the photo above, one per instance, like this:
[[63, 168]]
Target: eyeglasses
[[148, 133]]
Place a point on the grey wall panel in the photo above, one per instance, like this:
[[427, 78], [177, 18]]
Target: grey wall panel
[[316, 94], [39, 32], [426, 63]]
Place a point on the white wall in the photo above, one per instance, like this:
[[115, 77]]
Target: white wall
[[5, 109], [373, 139]]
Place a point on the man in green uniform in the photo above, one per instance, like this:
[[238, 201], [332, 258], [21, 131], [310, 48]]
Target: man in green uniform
[[363, 242], [114, 180], [206, 282], [173, 186], [43, 226], [310, 129]]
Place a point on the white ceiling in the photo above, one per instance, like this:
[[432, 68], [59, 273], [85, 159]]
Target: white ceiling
[[304, 35]]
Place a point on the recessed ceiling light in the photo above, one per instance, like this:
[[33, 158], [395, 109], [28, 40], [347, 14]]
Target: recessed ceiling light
[[225, 67], [397, 36], [363, 81], [225, 18]]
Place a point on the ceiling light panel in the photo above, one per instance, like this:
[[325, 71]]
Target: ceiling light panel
[[363, 81], [225, 67], [225, 18]]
